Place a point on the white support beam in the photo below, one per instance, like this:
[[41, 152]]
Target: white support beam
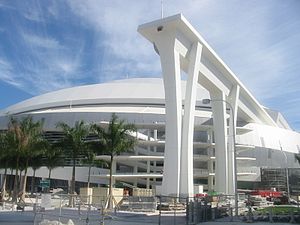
[[220, 133], [170, 63], [233, 101], [210, 82], [148, 161], [186, 170]]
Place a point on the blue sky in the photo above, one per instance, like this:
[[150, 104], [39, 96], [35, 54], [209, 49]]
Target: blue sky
[[49, 45]]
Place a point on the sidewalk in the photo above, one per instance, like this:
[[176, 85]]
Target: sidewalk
[[226, 221], [120, 218], [16, 218], [27, 218], [241, 223]]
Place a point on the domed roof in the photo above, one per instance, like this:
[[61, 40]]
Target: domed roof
[[129, 91]]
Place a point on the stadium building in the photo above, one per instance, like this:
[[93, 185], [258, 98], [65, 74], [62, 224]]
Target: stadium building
[[204, 131]]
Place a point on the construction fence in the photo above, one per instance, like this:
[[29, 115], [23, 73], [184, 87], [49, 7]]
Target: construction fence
[[250, 209], [127, 210], [162, 210]]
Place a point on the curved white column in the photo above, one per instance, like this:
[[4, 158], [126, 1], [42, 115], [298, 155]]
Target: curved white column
[[233, 101], [186, 170], [170, 64]]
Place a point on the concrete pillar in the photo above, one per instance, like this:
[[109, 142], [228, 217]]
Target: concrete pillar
[[233, 101], [148, 161], [149, 134], [154, 150], [155, 134], [186, 165], [210, 163], [170, 63], [148, 172], [220, 132], [135, 170]]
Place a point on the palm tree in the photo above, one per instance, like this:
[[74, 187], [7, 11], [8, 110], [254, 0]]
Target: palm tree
[[14, 151], [26, 135], [90, 158], [4, 162], [53, 157], [35, 163], [29, 136], [73, 145], [10, 162], [115, 138]]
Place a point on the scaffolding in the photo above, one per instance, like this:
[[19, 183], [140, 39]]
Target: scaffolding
[[274, 178]]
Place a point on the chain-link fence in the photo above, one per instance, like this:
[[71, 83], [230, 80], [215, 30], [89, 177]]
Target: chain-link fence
[[250, 209], [171, 210], [270, 212], [162, 210], [80, 209], [92, 210], [208, 208]]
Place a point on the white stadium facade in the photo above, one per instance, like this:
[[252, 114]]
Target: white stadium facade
[[207, 130]]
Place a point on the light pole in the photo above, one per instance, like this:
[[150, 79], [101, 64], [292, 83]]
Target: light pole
[[208, 101]]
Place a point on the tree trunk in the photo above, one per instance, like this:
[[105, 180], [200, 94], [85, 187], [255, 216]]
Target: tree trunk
[[24, 183], [89, 176], [33, 182], [110, 193], [3, 187], [49, 176], [73, 177], [11, 183], [72, 191], [16, 181], [20, 182]]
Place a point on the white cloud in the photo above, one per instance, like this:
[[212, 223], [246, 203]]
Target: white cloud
[[53, 9], [42, 42], [33, 15], [119, 28], [47, 66], [7, 74]]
